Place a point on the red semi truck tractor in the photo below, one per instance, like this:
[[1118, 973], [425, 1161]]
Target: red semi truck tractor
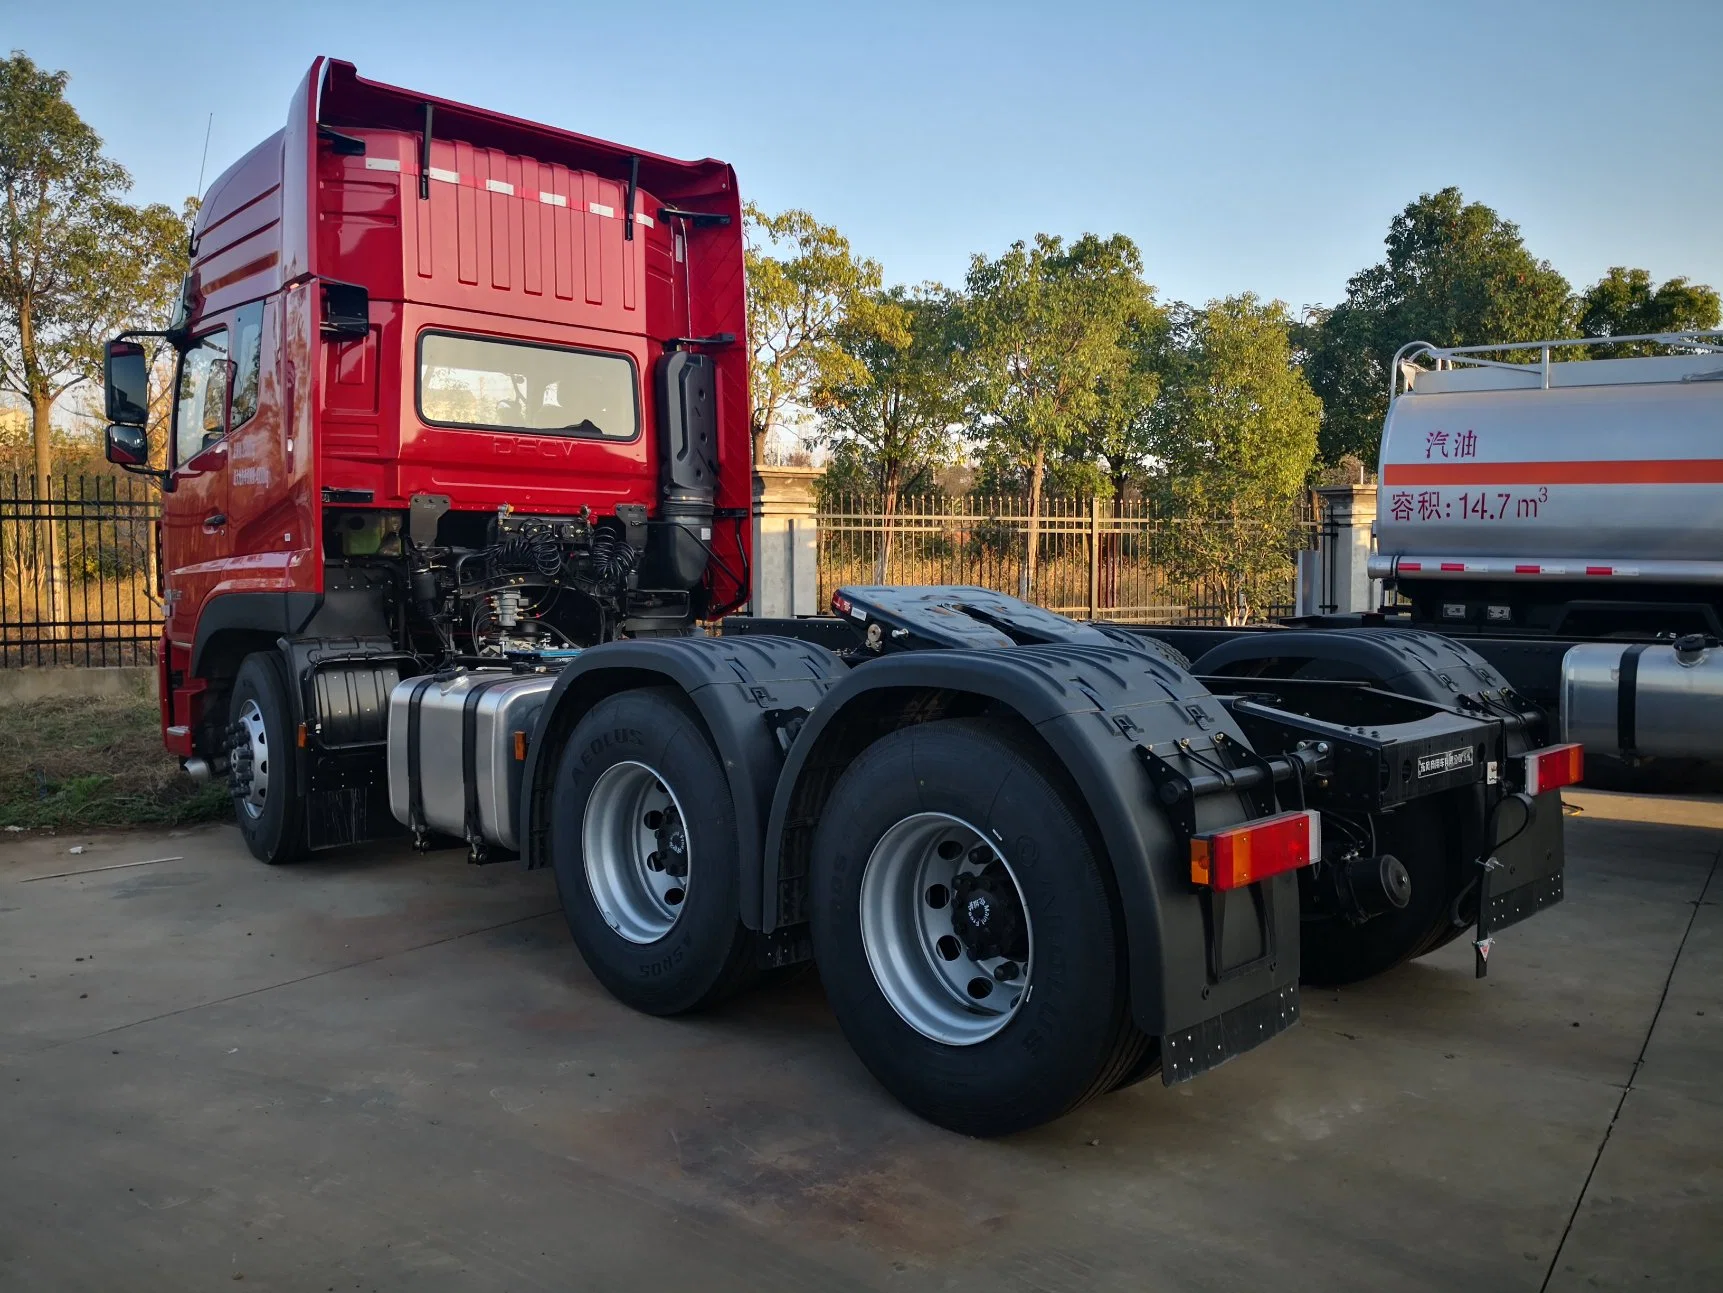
[[460, 464]]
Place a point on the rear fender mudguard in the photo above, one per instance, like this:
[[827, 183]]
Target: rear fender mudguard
[[734, 683], [1408, 662], [1091, 706]]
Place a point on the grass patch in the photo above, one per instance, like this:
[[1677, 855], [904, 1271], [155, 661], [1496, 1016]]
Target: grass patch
[[96, 761]]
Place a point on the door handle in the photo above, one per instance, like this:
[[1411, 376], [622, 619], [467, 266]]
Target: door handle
[[215, 521]]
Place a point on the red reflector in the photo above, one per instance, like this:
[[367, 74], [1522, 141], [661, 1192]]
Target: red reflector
[[1453, 565], [1410, 565], [1600, 570], [1242, 855], [1528, 570], [1554, 766]]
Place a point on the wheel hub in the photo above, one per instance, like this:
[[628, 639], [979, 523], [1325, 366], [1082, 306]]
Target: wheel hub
[[248, 760], [635, 846], [945, 929], [986, 915]]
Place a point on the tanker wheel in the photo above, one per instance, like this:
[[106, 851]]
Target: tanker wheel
[[1334, 951], [965, 932], [262, 773], [643, 843]]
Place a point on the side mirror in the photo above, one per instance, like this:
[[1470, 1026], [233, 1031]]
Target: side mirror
[[128, 446], [126, 377]]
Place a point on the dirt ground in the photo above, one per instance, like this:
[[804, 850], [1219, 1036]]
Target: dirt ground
[[381, 1071]]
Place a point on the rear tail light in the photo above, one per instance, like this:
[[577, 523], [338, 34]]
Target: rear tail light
[[1242, 855], [1554, 766]]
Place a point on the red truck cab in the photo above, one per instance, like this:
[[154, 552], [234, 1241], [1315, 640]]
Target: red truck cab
[[450, 385]]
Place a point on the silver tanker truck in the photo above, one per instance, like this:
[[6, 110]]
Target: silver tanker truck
[[1564, 517]]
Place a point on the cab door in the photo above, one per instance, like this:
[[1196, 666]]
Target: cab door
[[260, 510], [195, 543]]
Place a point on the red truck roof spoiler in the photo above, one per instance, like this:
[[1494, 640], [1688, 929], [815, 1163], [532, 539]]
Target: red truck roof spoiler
[[344, 98]]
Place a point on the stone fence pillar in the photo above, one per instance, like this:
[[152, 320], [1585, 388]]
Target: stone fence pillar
[[786, 542], [1348, 537]]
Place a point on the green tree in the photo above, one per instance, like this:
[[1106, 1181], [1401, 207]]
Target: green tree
[[77, 263], [1456, 274], [803, 283], [1236, 436], [1625, 303], [892, 412], [1042, 327], [1119, 436]]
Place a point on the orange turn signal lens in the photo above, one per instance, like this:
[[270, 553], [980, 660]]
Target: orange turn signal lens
[[302, 737], [520, 747], [1242, 855], [1554, 766]]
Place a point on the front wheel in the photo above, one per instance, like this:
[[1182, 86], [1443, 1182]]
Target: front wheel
[[643, 842], [965, 934], [262, 773]]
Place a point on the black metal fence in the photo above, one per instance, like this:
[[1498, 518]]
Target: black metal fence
[[78, 571], [1130, 560], [78, 564]]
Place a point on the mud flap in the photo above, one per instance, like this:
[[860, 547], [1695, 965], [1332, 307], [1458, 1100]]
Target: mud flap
[[1208, 1045], [1524, 874]]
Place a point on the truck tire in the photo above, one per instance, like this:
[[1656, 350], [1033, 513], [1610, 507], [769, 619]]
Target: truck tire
[[1335, 952], [1143, 642], [1171, 654], [966, 933], [262, 768], [643, 843]]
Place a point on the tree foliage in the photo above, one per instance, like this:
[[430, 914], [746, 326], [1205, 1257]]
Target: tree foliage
[[1625, 302], [891, 413], [1119, 437], [1042, 326], [804, 282], [77, 262], [1236, 433], [1455, 274]]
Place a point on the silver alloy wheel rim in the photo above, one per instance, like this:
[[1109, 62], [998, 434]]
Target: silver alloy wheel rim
[[256, 738], [635, 841], [931, 977]]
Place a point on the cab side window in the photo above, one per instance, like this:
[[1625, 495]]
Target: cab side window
[[200, 406]]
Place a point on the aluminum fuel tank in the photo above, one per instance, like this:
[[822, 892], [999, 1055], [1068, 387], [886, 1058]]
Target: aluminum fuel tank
[[464, 729], [1676, 704]]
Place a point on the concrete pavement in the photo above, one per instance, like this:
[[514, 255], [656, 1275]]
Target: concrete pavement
[[383, 1071]]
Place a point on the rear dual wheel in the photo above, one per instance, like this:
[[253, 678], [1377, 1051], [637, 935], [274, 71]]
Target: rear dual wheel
[[963, 927], [965, 932]]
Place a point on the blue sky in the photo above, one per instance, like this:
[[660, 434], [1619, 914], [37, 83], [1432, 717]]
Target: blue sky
[[1243, 146]]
